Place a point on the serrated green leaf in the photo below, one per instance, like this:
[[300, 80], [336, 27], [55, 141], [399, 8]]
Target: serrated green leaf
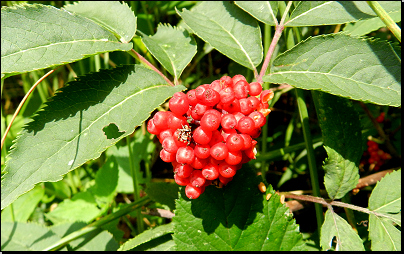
[[23, 206], [264, 11], [317, 13], [383, 234], [20, 236], [228, 29], [386, 196], [164, 193], [37, 36], [357, 68], [342, 138], [69, 130], [346, 238], [363, 27], [236, 217], [172, 47], [116, 17], [147, 236]]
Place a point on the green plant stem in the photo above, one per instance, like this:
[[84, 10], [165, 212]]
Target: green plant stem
[[21, 104], [387, 20], [304, 117], [136, 191], [97, 224]]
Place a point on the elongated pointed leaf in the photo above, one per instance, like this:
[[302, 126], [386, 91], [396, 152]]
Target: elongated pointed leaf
[[384, 235], [317, 13], [228, 29], [36, 36], [386, 196], [356, 68], [172, 47], [70, 130], [236, 217], [116, 17], [346, 238], [342, 137], [264, 11]]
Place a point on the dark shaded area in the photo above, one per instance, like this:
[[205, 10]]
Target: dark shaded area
[[112, 131]]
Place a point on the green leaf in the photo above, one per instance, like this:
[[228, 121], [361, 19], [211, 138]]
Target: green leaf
[[317, 13], [37, 36], [116, 17], [363, 27], [342, 137], [24, 205], [164, 193], [20, 236], [357, 68], [386, 199], [264, 11], [228, 29], [236, 217], [147, 236], [172, 47], [69, 130], [347, 239]]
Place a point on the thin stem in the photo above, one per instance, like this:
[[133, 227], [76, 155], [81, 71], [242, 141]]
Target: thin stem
[[21, 104], [304, 117], [136, 55], [387, 20], [97, 224]]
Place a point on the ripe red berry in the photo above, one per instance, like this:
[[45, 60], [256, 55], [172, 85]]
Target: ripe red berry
[[169, 145], [246, 125], [199, 92], [202, 136], [193, 192], [232, 107], [241, 89], [197, 179], [225, 180], [175, 122], [181, 181], [160, 120], [247, 141], [199, 163], [228, 122], [266, 96], [234, 158], [245, 106], [151, 127], [255, 88], [179, 104], [164, 134], [167, 156], [258, 118], [255, 102], [227, 170], [226, 81], [191, 95], [210, 171], [210, 122], [227, 95], [234, 142], [216, 138], [202, 151], [210, 97], [183, 170], [219, 151], [185, 155], [237, 78], [216, 85]]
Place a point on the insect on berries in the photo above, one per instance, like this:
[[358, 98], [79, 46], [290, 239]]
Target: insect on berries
[[210, 131]]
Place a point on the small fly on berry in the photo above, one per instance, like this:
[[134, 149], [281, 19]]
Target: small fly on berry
[[185, 134]]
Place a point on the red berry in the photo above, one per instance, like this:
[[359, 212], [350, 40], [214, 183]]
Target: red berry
[[179, 104], [185, 155], [228, 122], [191, 95], [225, 180], [215, 112], [197, 179], [234, 157], [246, 125], [219, 151], [232, 107], [160, 120], [226, 81], [202, 151], [199, 163], [175, 122], [241, 89], [169, 145], [216, 85], [245, 106], [200, 109], [199, 92], [202, 136], [237, 78], [255, 88], [234, 142], [227, 170], [247, 141], [151, 127], [227, 95], [167, 156], [164, 134], [193, 192], [210, 122], [266, 96], [216, 138], [210, 97], [255, 102], [258, 118], [183, 170], [210, 171], [181, 181]]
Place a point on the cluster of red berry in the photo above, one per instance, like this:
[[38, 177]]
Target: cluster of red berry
[[374, 156], [209, 132]]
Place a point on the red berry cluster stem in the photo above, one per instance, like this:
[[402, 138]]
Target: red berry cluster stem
[[209, 132], [374, 156]]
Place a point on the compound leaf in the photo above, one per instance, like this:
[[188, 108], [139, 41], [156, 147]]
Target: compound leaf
[[116, 17], [228, 29], [317, 13], [172, 47], [236, 217], [342, 137], [37, 36], [70, 130], [353, 67]]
